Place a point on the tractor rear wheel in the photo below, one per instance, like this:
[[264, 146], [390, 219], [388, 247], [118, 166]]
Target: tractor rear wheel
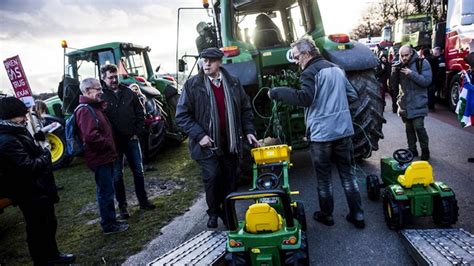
[[445, 211], [300, 214], [299, 257], [367, 113], [393, 211], [59, 156], [373, 187], [237, 258]]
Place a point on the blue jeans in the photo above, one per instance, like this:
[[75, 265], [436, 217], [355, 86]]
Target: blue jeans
[[132, 151], [104, 175], [338, 152]]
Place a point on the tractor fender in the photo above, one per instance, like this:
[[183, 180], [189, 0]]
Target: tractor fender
[[443, 189], [393, 190], [170, 91], [357, 58]]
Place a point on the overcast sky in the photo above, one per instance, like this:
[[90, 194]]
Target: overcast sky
[[33, 29]]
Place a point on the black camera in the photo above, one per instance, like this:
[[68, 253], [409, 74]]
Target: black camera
[[398, 65]]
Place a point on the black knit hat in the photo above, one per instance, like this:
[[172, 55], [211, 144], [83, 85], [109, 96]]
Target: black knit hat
[[11, 107], [212, 53]]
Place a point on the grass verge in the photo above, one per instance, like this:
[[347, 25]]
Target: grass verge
[[79, 234]]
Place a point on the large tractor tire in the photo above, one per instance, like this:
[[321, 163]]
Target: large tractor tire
[[367, 113], [59, 154]]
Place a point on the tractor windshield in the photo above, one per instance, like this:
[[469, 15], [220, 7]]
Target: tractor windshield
[[269, 23], [414, 25], [134, 62], [87, 64]]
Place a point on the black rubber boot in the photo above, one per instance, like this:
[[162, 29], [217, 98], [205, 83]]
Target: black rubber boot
[[425, 154]]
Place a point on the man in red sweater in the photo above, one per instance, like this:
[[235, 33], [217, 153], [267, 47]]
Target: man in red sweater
[[99, 151], [216, 114]]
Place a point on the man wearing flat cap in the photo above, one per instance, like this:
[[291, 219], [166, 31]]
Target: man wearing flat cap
[[215, 112]]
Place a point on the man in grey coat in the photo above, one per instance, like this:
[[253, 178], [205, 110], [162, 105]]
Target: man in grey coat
[[325, 93], [216, 114], [411, 78]]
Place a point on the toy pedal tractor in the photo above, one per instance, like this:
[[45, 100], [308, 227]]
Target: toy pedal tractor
[[274, 229], [410, 190]]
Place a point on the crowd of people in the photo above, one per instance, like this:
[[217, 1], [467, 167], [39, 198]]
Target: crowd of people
[[216, 114], [110, 119]]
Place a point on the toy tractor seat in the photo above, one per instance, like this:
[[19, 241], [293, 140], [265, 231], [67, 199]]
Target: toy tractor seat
[[261, 217], [271, 154], [419, 172]]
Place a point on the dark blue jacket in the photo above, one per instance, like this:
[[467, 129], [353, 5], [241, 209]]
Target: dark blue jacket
[[193, 114]]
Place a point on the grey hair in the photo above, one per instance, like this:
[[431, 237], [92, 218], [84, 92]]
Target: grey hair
[[306, 45], [88, 83], [108, 68]]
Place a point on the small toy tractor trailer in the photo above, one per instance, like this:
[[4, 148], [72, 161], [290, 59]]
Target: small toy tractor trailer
[[274, 229], [411, 191]]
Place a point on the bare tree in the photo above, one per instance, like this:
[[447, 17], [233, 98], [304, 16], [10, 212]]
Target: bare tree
[[386, 12]]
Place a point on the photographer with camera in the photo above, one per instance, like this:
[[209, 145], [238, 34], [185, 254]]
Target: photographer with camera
[[411, 76], [207, 36]]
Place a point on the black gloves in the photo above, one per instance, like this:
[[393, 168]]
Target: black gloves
[[39, 136]]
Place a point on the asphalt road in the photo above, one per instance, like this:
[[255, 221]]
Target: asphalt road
[[343, 244]]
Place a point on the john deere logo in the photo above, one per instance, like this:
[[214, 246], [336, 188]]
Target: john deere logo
[[289, 56]]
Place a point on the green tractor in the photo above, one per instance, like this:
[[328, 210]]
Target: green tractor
[[136, 72], [414, 30], [262, 59], [410, 191], [274, 229]]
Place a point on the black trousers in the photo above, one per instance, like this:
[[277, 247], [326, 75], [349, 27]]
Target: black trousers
[[41, 225], [219, 175]]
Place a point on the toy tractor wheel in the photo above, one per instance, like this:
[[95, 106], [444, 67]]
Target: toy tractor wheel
[[59, 156], [373, 187], [300, 256], [393, 211], [367, 113], [237, 258], [300, 214], [446, 211]]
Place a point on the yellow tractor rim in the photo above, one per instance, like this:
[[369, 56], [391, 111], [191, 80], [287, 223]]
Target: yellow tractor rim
[[57, 147]]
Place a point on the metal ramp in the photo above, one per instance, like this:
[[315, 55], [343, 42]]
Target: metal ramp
[[206, 248], [440, 246]]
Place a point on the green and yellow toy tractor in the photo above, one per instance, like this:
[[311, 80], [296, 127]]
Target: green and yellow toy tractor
[[274, 229], [411, 191]]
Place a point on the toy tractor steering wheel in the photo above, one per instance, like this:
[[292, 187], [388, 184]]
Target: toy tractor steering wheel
[[267, 181], [403, 156]]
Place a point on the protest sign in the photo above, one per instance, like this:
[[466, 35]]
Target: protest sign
[[18, 79]]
